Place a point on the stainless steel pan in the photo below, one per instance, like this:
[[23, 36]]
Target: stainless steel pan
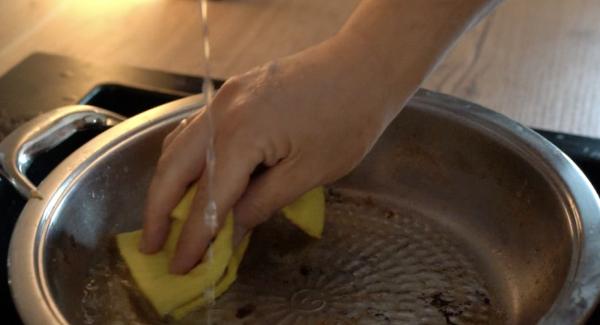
[[458, 215]]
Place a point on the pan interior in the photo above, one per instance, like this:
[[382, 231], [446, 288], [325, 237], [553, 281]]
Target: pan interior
[[441, 223]]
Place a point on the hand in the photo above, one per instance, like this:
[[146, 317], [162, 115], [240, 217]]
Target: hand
[[309, 119]]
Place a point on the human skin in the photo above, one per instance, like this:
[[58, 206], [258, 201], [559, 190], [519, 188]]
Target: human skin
[[307, 119]]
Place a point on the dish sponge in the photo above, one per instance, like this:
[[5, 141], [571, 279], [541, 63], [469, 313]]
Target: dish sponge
[[177, 295]]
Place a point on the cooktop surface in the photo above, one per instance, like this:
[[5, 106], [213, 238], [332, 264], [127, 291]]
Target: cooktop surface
[[43, 82]]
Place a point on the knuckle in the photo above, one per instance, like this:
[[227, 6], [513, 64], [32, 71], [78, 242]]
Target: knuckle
[[232, 123], [254, 210], [232, 85]]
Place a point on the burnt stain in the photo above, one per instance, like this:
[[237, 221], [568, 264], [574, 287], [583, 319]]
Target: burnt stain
[[369, 201], [438, 301], [445, 308], [382, 317], [389, 214], [378, 314], [245, 311], [305, 270], [72, 241]]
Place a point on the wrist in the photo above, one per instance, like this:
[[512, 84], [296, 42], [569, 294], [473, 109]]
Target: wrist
[[392, 80], [403, 41]]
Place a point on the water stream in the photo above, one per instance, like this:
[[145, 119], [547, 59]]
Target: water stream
[[210, 211]]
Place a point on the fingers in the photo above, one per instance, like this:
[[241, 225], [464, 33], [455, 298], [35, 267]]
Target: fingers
[[194, 233], [180, 163], [232, 171], [269, 192]]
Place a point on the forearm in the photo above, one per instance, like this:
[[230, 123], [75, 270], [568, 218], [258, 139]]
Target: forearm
[[405, 39]]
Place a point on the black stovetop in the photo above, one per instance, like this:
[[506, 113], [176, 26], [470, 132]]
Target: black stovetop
[[43, 82]]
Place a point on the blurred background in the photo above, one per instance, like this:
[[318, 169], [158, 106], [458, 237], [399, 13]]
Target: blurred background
[[537, 61]]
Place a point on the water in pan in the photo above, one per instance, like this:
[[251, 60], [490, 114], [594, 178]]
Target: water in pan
[[374, 264]]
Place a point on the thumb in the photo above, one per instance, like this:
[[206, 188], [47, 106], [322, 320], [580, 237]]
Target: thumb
[[269, 192]]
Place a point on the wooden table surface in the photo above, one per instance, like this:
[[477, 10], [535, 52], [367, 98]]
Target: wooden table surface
[[537, 61]]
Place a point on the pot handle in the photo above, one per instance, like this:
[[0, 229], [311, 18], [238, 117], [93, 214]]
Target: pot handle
[[43, 133]]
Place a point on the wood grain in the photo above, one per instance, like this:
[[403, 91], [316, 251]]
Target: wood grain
[[537, 61]]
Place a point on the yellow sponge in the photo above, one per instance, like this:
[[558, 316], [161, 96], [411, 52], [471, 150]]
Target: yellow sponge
[[168, 291], [177, 295], [222, 286], [308, 212]]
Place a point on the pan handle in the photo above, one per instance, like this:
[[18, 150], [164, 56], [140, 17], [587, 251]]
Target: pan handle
[[43, 133]]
